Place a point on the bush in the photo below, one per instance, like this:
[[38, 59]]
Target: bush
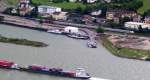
[[1, 18], [100, 30]]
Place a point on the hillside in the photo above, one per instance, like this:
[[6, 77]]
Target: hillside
[[3, 5], [145, 7], [11, 2], [64, 5]]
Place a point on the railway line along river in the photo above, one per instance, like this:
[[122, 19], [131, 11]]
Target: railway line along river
[[66, 53]]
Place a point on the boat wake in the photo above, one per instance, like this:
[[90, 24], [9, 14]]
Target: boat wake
[[95, 78]]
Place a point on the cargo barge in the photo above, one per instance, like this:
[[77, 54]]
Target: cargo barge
[[8, 65], [79, 73], [78, 36]]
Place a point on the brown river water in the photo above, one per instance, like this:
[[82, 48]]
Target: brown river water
[[66, 53]]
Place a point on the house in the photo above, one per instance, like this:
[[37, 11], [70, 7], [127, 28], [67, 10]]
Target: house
[[24, 4], [115, 15], [70, 29], [59, 16], [136, 25], [48, 10], [91, 1], [137, 18], [75, 19], [72, 0], [96, 13], [25, 1], [88, 19], [24, 7], [87, 1], [147, 19]]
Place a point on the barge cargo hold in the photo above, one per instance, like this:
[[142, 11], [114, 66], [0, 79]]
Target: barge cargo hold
[[8, 65]]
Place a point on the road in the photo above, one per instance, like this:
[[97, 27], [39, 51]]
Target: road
[[91, 27], [35, 23]]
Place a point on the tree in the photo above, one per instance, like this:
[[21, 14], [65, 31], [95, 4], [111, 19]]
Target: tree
[[78, 9], [113, 25], [146, 13], [126, 4], [8, 10], [121, 1], [58, 1], [104, 10], [134, 5], [140, 28], [34, 12], [1, 18], [125, 19], [100, 30]]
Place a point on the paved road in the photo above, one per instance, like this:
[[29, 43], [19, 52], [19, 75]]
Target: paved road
[[34, 23]]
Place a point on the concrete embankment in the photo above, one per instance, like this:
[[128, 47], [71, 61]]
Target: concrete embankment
[[22, 22], [23, 26]]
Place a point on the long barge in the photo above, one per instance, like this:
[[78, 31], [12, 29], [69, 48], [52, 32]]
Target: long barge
[[78, 36], [79, 73]]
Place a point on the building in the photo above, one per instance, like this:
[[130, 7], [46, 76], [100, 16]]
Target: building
[[96, 13], [137, 18], [91, 1], [110, 14], [25, 1], [136, 25], [24, 7], [23, 4], [71, 29], [72, 0], [147, 19], [107, 1], [48, 10], [87, 1], [88, 19], [115, 15], [59, 15]]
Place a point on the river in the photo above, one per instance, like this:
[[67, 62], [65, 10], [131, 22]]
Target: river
[[66, 53]]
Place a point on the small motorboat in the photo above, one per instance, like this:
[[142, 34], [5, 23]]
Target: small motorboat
[[55, 31], [92, 44]]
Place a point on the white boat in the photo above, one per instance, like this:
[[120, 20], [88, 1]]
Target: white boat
[[92, 44], [78, 36], [55, 31], [95, 78]]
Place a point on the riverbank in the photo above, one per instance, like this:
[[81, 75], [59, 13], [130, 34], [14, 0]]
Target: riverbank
[[124, 52], [23, 26], [22, 42]]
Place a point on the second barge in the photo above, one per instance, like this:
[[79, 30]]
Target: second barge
[[79, 73]]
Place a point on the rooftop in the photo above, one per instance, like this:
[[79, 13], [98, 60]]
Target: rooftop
[[44, 6]]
